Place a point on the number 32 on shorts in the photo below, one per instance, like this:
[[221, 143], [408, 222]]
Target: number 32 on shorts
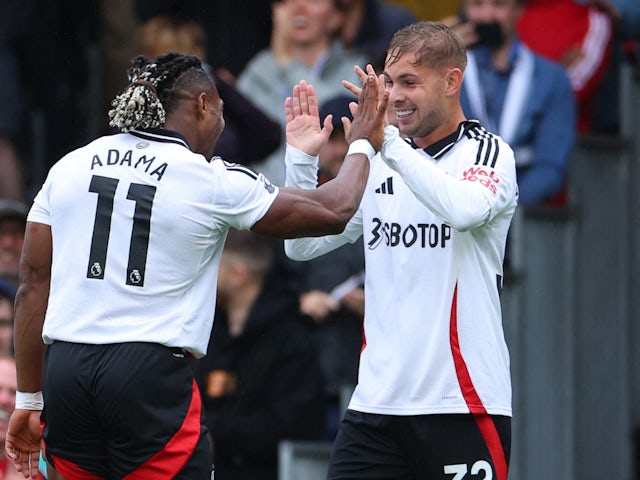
[[459, 471]]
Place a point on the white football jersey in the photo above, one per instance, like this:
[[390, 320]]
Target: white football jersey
[[435, 226], [138, 224]]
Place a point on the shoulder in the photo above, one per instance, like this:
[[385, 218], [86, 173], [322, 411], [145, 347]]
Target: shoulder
[[260, 60], [240, 176], [231, 168], [490, 148]]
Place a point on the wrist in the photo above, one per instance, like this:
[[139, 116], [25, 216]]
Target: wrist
[[362, 145], [29, 401]]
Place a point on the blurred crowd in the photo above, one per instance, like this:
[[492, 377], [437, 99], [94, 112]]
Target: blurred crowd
[[287, 337]]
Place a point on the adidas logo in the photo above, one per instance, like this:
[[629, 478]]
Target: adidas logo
[[386, 187]]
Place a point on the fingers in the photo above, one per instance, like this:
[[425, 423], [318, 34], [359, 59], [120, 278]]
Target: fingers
[[370, 70], [327, 126], [288, 109], [302, 102], [26, 463], [355, 89], [346, 125], [383, 95], [362, 75], [312, 101], [296, 101], [353, 108], [304, 98]]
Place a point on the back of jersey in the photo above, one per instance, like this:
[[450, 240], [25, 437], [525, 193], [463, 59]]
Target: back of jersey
[[138, 224]]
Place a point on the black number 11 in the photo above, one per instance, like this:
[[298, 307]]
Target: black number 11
[[143, 195]]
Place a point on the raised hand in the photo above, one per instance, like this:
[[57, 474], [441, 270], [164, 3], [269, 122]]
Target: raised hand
[[356, 89], [369, 119], [303, 128]]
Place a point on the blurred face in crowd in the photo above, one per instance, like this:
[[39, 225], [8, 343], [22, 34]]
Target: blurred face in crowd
[[8, 385], [11, 241], [504, 13], [6, 325], [333, 153], [312, 20]]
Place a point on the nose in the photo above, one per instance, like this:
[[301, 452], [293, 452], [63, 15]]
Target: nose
[[395, 94], [486, 14]]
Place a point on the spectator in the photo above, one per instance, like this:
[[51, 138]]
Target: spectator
[[576, 35], [249, 134], [261, 379], [237, 29], [369, 25], [6, 323], [13, 218], [304, 46], [16, 18], [333, 294], [520, 95], [7, 404], [625, 15]]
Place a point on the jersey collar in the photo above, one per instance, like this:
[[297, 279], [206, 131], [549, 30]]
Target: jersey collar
[[438, 149], [161, 135]]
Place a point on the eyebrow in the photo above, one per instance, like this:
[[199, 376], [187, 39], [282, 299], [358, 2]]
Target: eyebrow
[[402, 76]]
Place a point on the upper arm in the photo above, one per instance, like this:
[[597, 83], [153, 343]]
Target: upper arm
[[35, 262]]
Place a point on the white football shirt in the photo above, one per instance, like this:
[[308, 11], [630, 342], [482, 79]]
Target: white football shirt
[[138, 224], [435, 226]]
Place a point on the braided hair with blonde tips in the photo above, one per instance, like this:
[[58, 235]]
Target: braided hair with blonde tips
[[153, 90]]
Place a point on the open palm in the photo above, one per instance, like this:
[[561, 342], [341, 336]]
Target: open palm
[[303, 128]]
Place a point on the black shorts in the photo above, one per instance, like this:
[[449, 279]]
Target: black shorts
[[129, 410], [421, 447]]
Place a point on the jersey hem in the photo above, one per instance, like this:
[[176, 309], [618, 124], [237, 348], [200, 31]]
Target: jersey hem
[[409, 411]]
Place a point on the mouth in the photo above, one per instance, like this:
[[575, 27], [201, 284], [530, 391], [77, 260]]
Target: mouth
[[300, 22], [404, 115]]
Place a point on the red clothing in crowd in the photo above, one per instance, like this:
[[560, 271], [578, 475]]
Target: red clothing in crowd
[[576, 35]]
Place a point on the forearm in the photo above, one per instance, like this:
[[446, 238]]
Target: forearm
[[302, 173], [31, 305], [301, 169]]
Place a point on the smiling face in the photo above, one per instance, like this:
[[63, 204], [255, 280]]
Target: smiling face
[[312, 20], [423, 75], [417, 96]]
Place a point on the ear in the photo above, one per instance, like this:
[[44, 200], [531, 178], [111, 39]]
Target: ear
[[453, 79], [201, 104]]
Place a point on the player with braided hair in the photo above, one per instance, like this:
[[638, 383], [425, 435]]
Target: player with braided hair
[[139, 220]]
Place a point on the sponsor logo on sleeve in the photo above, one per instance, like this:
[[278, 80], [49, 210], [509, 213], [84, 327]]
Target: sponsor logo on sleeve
[[485, 176]]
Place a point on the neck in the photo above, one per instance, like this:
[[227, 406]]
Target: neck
[[446, 128], [310, 54]]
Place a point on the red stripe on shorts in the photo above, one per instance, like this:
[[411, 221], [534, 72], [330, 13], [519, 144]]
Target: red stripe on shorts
[[71, 471], [168, 462], [471, 397]]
